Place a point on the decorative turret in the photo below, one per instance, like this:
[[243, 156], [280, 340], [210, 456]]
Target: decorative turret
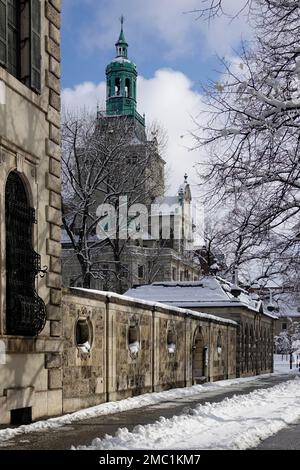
[[121, 75], [121, 44]]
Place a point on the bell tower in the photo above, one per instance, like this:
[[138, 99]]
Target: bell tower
[[121, 75]]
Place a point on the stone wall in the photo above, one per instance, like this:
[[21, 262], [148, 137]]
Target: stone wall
[[255, 338], [112, 368], [29, 144]]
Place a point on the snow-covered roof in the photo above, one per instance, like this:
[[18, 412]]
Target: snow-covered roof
[[208, 292], [288, 304], [187, 312]]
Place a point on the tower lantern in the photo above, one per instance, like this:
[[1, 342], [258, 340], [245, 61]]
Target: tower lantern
[[121, 76]]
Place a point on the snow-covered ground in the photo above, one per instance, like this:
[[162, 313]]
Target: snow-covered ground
[[140, 401], [133, 403], [240, 422], [282, 363]]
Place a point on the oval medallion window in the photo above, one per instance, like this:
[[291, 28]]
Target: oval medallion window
[[25, 310]]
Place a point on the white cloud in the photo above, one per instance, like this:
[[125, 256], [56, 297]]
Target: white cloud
[[167, 97], [167, 21]]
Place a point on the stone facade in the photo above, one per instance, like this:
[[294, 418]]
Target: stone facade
[[29, 146], [255, 338], [214, 295], [137, 347]]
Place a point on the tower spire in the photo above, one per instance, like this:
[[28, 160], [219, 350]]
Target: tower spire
[[121, 44]]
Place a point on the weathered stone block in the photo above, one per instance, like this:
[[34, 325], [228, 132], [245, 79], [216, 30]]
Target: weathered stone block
[[55, 264], [56, 328], [53, 216], [55, 233], [52, 149], [56, 4], [54, 33], [55, 200], [54, 67], [52, 82], [52, 14], [54, 378], [53, 248], [53, 313], [52, 360], [53, 116], [55, 296], [54, 167], [53, 183], [54, 133], [52, 48], [54, 100], [54, 280]]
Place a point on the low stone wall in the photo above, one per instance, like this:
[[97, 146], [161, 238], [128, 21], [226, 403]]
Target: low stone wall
[[116, 347]]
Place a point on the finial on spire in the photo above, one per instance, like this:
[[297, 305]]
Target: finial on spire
[[122, 19], [186, 178]]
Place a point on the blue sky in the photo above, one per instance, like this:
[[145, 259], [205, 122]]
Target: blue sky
[[174, 51]]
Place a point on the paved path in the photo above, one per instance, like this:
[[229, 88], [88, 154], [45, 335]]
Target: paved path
[[287, 439], [83, 432]]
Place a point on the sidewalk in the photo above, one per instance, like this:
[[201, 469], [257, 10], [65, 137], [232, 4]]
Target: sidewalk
[[287, 439], [83, 432]]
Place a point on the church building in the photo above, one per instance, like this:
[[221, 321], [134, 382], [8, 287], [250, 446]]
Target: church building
[[145, 259]]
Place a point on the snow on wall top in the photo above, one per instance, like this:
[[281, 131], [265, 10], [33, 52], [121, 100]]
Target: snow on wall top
[[185, 311]]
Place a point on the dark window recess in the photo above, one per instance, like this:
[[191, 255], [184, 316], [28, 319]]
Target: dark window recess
[[13, 37], [3, 33], [35, 42], [141, 272], [25, 310], [133, 335], [284, 326], [82, 332], [20, 40], [171, 337], [21, 416]]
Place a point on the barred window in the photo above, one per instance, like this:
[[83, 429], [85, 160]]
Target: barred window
[[20, 40]]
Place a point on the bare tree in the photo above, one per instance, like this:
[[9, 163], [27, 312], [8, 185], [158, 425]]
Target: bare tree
[[101, 162], [288, 341], [252, 130]]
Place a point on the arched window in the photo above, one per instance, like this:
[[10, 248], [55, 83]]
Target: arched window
[[109, 88], [127, 88], [117, 87], [25, 311]]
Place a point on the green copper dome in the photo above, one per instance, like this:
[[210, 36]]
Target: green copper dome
[[121, 75]]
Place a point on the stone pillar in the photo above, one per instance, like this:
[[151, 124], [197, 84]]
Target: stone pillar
[[53, 360]]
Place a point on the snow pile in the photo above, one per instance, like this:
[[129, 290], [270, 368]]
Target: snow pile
[[134, 347], [237, 423], [172, 348], [140, 401], [85, 348]]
